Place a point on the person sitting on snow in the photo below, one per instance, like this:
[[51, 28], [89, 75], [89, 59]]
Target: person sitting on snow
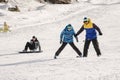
[[32, 45], [15, 9], [66, 37], [6, 27]]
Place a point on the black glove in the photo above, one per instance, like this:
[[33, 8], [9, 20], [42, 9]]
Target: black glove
[[76, 39], [100, 34], [60, 41], [75, 35]]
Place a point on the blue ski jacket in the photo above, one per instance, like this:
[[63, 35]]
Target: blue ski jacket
[[91, 34], [67, 34]]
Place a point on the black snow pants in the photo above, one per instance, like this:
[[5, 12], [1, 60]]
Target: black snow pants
[[30, 46], [95, 44], [63, 46]]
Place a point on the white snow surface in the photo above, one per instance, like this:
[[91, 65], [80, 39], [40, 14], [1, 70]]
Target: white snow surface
[[102, 1], [46, 21], [105, 1]]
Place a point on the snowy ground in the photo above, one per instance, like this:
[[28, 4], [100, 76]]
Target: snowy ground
[[46, 22]]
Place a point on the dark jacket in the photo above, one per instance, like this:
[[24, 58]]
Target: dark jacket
[[35, 44]]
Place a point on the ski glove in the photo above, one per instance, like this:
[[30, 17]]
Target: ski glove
[[76, 38], [75, 35], [100, 34], [60, 41]]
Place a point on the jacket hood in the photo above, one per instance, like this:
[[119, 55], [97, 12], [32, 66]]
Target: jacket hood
[[89, 20], [69, 26]]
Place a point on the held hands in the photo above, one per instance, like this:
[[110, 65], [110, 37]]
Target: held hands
[[76, 39], [75, 35], [60, 41]]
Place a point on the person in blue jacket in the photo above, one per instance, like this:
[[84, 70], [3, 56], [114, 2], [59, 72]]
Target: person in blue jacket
[[91, 35], [66, 37]]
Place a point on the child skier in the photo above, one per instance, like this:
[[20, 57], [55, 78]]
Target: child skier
[[90, 36], [66, 37], [32, 45]]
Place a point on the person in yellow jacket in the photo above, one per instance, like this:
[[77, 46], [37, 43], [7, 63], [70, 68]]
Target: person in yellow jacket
[[91, 36], [5, 27]]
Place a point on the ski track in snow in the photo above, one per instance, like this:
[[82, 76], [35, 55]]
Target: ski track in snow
[[14, 66]]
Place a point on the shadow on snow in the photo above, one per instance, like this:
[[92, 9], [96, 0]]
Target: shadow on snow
[[26, 62]]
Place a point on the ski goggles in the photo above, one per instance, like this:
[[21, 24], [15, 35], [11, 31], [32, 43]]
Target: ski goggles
[[69, 28]]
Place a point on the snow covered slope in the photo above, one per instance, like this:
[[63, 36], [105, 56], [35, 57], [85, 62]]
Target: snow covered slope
[[46, 23], [105, 1], [102, 1]]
